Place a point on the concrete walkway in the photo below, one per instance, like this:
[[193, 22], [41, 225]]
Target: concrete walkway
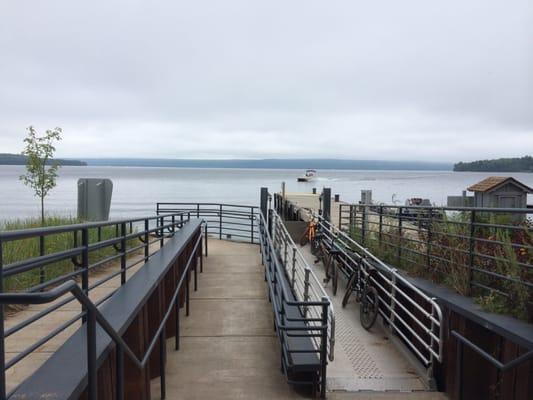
[[228, 347]]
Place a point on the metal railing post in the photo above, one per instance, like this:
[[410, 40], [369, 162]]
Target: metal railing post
[[91, 355], [85, 267], [119, 352], [161, 232], [428, 242], [251, 224], [293, 278], [205, 237], [42, 275], [392, 299], [324, 347], [306, 289], [146, 240], [380, 226], [220, 222], [123, 255], [471, 248], [363, 225], [399, 255], [162, 353]]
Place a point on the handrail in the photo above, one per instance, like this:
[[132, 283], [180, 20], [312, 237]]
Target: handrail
[[49, 230], [461, 341], [231, 221], [78, 256], [303, 280], [315, 327], [392, 277], [94, 315]]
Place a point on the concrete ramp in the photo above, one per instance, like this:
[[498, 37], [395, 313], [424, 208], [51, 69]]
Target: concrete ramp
[[229, 349]]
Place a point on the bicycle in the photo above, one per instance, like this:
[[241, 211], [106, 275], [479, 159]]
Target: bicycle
[[310, 232], [365, 294]]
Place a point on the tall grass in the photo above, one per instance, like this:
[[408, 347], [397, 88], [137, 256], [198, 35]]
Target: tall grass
[[440, 252], [24, 249]]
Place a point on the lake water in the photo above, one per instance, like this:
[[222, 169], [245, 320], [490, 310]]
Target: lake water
[[137, 189]]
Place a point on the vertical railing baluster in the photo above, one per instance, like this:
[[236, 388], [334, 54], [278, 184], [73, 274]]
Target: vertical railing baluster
[[220, 222], [85, 266], [252, 224], [306, 289], [42, 275], [123, 254], [146, 240], [91, 355], [162, 354], [120, 372], [161, 232], [380, 227], [399, 255], [363, 225], [293, 278], [472, 247], [324, 347]]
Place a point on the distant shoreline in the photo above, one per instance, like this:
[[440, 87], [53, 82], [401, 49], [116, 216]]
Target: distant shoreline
[[301, 164], [19, 159]]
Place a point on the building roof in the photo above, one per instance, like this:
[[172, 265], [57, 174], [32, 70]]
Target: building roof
[[493, 182]]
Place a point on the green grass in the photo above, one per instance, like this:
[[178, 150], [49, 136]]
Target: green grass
[[449, 259], [24, 249]]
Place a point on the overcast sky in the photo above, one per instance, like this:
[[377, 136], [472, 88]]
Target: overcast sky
[[399, 80]]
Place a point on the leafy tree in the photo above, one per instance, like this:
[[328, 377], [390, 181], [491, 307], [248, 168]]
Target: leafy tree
[[41, 170]]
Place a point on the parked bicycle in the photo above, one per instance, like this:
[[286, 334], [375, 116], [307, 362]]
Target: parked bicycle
[[338, 259], [365, 294]]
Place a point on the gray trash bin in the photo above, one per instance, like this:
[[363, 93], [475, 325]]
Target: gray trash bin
[[94, 199]]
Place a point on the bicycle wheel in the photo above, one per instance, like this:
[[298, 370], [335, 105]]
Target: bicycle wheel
[[334, 276], [315, 246], [369, 309], [349, 289], [304, 239]]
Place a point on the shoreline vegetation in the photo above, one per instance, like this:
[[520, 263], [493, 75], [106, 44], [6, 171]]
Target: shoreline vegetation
[[442, 256], [28, 248], [19, 159], [522, 164]]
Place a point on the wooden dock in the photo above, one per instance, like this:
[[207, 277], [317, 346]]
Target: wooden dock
[[308, 203]]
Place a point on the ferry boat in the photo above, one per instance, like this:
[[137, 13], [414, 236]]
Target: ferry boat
[[310, 175]]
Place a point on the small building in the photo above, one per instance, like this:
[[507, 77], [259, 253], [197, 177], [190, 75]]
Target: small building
[[500, 192]]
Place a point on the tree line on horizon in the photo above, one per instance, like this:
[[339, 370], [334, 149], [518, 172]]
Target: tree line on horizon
[[516, 164]]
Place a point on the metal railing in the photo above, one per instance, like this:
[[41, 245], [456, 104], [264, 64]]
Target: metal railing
[[463, 341], [224, 221], [313, 320], [94, 317], [409, 312], [477, 251], [302, 279], [72, 252]]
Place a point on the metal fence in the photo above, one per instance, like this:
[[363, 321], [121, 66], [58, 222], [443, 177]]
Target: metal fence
[[312, 322], [409, 312], [482, 252], [303, 281], [32, 261], [224, 221]]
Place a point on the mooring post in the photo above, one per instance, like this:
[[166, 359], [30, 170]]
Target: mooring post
[[326, 204], [264, 202]]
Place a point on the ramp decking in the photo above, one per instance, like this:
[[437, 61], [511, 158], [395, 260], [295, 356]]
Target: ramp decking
[[228, 349]]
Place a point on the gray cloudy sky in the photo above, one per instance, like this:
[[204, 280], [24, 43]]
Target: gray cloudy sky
[[386, 79]]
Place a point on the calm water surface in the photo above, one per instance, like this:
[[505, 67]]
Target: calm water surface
[[137, 189]]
